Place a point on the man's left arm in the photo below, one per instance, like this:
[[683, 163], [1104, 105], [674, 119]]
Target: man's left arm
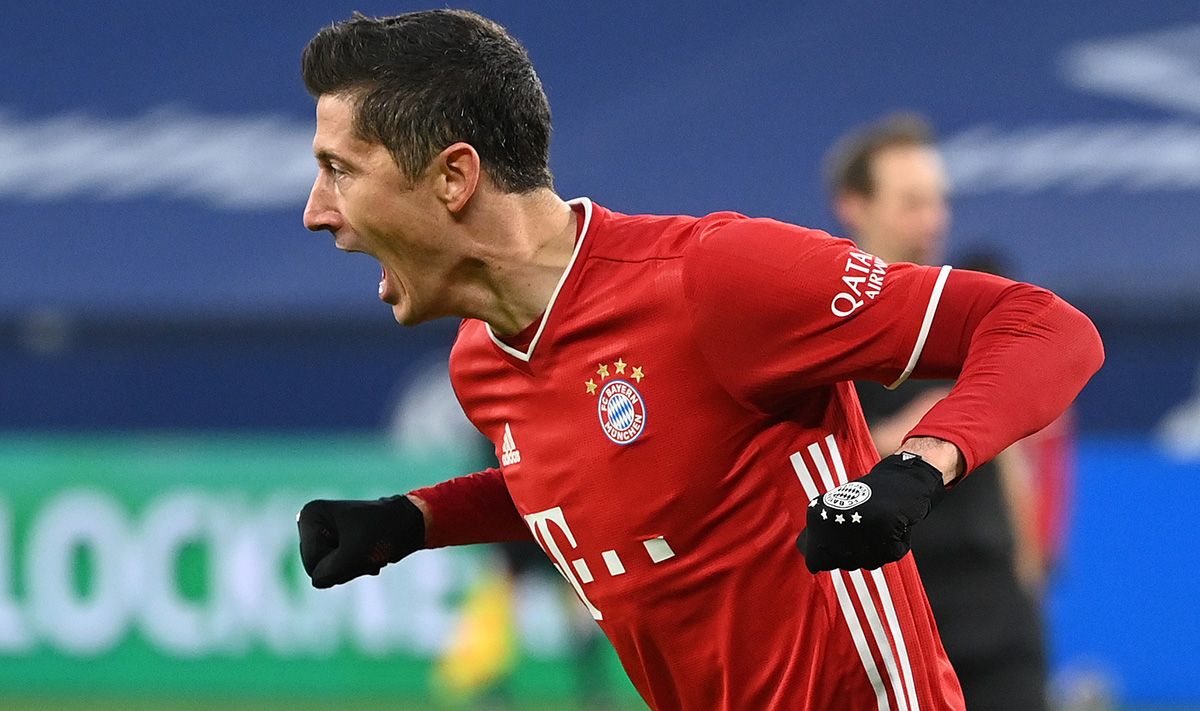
[[1021, 355], [819, 311]]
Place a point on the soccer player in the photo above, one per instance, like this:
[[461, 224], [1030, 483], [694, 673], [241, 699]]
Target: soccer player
[[889, 190], [669, 397]]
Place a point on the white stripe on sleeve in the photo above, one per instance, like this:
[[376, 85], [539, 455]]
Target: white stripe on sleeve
[[934, 297]]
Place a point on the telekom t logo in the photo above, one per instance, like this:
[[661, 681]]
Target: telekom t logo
[[577, 572], [539, 523]]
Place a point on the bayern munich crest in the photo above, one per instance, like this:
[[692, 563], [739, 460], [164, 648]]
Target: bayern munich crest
[[619, 403], [622, 412], [847, 496]]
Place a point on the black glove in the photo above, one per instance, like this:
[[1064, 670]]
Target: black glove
[[868, 522], [341, 540]]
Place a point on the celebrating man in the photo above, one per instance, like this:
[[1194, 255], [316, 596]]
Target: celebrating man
[[669, 397]]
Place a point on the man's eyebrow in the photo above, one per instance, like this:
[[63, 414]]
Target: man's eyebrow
[[327, 156]]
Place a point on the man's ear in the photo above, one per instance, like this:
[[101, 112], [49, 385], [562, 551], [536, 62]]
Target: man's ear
[[457, 175], [850, 210]]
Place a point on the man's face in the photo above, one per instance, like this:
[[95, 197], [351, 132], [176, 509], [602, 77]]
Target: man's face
[[907, 217], [362, 198]]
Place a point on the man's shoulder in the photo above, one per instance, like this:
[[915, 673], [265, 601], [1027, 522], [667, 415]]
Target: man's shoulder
[[770, 242], [643, 237], [744, 254]]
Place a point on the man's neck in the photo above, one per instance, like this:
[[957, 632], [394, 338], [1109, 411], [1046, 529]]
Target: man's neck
[[531, 242]]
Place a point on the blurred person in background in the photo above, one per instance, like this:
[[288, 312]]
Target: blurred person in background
[[983, 553], [678, 530]]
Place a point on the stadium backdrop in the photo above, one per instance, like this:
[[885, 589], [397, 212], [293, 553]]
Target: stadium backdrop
[[180, 364]]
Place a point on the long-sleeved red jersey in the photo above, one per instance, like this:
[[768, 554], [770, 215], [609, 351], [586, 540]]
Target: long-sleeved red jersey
[[682, 399]]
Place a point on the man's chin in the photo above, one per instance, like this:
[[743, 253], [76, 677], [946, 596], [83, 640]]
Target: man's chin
[[405, 315]]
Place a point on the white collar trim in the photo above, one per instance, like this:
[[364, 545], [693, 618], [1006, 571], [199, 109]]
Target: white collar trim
[[526, 355]]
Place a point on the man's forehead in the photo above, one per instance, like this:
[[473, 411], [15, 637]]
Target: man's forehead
[[905, 165], [333, 114], [335, 127], [334, 108]]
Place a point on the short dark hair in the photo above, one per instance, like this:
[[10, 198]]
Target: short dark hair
[[848, 164], [422, 81]]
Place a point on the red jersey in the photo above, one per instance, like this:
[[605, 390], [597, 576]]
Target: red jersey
[[683, 399]]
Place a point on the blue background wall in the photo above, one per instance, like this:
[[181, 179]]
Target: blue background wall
[[669, 107]]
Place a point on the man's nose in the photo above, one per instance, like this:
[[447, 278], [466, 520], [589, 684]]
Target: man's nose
[[319, 214]]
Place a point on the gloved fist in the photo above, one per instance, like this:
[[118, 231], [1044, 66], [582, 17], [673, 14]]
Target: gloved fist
[[868, 522], [341, 540]]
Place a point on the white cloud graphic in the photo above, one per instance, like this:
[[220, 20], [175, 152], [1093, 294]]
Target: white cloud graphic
[[1131, 156], [228, 162], [1159, 69]]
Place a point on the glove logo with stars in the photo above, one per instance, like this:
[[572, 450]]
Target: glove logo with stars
[[867, 523], [847, 496]]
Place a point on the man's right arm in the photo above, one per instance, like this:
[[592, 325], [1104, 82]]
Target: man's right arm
[[342, 540], [470, 509]]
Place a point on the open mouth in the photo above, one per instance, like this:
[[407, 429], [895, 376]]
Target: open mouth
[[388, 289], [388, 292]]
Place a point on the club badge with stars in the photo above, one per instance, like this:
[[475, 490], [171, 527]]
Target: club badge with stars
[[843, 498], [619, 404]]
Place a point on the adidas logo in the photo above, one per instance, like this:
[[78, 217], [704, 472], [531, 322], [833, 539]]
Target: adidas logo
[[509, 454], [904, 456]]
